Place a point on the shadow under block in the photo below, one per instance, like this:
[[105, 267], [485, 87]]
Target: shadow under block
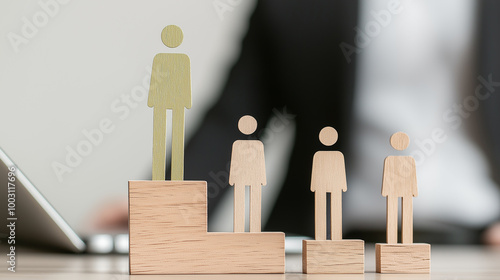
[[168, 235], [403, 258], [333, 256]]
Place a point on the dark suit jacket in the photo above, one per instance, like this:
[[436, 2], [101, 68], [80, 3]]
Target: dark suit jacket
[[291, 64]]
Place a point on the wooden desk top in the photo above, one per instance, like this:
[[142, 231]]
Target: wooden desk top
[[448, 263]]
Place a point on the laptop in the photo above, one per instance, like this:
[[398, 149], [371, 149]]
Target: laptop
[[32, 221]]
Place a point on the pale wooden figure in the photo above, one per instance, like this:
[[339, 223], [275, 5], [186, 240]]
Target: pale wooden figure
[[170, 89], [335, 256], [328, 176], [399, 180], [247, 169]]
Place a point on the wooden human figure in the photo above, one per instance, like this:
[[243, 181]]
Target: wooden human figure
[[170, 89], [247, 169], [328, 176], [399, 180], [335, 256]]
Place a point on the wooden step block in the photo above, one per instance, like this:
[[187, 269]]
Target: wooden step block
[[403, 258], [333, 256], [168, 235], [212, 253], [167, 207]]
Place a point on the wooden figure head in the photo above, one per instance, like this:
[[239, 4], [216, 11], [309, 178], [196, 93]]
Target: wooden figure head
[[400, 141], [247, 124], [328, 136], [172, 36]]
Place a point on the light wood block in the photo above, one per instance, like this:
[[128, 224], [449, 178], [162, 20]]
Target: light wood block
[[403, 258], [168, 235], [333, 256], [167, 208], [212, 253]]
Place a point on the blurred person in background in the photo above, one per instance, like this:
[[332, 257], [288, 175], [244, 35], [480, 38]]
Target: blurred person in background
[[368, 68]]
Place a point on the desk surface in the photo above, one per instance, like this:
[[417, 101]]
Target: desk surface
[[447, 263]]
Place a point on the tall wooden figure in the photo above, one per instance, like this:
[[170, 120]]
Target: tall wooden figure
[[400, 181], [168, 221], [336, 255], [247, 169], [170, 89]]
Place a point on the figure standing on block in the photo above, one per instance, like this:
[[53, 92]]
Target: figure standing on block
[[170, 89], [247, 169], [328, 176], [399, 180]]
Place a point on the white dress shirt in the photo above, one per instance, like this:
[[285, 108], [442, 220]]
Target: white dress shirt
[[410, 73]]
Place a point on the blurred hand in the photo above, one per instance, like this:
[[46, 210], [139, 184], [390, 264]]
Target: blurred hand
[[110, 217], [492, 235]]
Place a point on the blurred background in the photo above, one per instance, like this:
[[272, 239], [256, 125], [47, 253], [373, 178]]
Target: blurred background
[[90, 62], [74, 80]]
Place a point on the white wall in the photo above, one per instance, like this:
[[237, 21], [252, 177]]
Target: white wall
[[66, 75]]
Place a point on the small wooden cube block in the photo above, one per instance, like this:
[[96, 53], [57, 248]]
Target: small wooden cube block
[[333, 256], [403, 258]]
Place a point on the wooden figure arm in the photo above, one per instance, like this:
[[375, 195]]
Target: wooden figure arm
[[234, 165], [187, 85], [342, 168], [231, 180], [415, 186], [314, 176], [262, 161], [153, 85], [313, 185], [385, 185]]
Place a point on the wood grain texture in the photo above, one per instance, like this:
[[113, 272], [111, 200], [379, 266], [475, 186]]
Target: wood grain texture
[[320, 215], [255, 208], [333, 256], [248, 165], [328, 172], [399, 180], [403, 258], [399, 177], [328, 176], [168, 235], [328, 136], [172, 36], [167, 208], [170, 88], [247, 168], [399, 141], [407, 220], [239, 208], [159, 143], [336, 215], [247, 124], [392, 220], [177, 166]]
